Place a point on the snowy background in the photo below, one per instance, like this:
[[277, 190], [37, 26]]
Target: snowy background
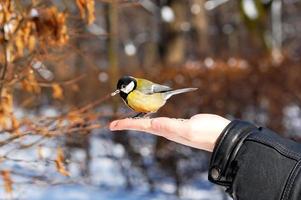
[[105, 171]]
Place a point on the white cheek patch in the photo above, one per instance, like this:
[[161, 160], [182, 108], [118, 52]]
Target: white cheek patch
[[129, 87]]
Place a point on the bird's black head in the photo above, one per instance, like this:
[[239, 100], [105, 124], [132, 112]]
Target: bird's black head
[[126, 85]]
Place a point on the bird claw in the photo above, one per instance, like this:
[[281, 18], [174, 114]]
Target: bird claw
[[142, 115]]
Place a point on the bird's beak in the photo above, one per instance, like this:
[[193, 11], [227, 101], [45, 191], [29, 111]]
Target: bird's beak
[[114, 93]]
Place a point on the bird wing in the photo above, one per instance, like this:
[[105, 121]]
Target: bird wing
[[148, 87]]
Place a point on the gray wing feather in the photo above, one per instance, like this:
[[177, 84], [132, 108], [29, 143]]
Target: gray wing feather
[[155, 88], [149, 87], [167, 95]]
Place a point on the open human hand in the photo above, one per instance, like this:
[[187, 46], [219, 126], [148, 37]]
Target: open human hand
[[200, 131]]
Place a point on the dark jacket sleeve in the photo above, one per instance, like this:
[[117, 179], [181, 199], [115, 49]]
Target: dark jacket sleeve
[[255, 163]]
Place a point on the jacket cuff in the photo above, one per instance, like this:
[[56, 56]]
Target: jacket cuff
[[221, 169]]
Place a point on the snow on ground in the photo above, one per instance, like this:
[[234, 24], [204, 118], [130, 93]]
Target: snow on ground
[[106, 180]]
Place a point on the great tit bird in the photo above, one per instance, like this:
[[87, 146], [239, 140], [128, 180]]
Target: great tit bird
[[144, 96]]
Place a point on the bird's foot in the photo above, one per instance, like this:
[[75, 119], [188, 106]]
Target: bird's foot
[[138, 115], [142, 115]]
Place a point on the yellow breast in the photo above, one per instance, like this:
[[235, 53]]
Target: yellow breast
[[145, 103]]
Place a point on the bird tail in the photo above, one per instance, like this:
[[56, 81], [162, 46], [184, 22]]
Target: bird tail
[[178, 91]]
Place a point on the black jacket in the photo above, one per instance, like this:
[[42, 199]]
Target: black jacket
[[256, 164]]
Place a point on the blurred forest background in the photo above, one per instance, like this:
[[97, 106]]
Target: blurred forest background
[[60, 60]]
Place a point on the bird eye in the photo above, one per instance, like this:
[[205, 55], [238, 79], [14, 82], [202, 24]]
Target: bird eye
[[123, 86]]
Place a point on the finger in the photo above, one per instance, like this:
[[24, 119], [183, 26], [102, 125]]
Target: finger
[[159, 126], [169, 125], [131, 124]]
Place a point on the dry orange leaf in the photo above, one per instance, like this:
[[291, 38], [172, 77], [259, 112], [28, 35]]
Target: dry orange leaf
[[81, 4], [57, 91], [8, 183], [6, 109], [75, 118], [30, 83], [59, 161], [86, 10], [51, 26], [15, 124]]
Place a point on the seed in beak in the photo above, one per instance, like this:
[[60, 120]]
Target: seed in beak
[[114, 93]]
